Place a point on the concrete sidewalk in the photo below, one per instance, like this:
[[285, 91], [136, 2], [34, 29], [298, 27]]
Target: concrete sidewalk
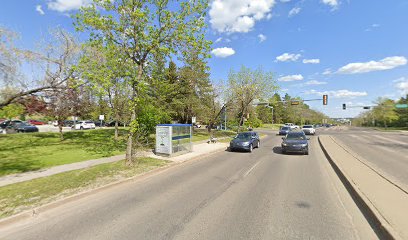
[[380, 199], [200, 149]]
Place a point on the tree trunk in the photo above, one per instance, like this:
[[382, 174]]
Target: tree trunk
[[131, 150], [60, 130], [116, 126], [116, 130]]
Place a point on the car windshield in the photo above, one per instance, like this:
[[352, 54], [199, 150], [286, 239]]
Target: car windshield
[[285, 128], [89, 122], [243, 136], [296, 136], [21, 124], [307, 126]]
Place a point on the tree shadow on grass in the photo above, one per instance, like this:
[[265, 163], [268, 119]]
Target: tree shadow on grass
[[20, 166]]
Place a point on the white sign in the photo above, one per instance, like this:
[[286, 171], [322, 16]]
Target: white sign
[[193, 120], [163, 139], [101, 117]]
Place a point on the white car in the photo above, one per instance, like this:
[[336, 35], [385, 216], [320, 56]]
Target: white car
[[291, 125], [309, 130], [80, 125]]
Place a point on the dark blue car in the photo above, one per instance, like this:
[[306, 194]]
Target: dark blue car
[[284, 130], [295, 142], [246, 141]]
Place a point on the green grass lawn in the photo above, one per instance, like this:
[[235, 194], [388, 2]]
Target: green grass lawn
[[203, 134], [33, 151], [271, 126], [18, 197]]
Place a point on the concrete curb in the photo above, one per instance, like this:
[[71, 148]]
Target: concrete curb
[[28, 214], [377, 221]]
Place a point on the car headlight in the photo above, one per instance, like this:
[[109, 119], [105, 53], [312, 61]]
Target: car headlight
[[245, 144], [284, 144]]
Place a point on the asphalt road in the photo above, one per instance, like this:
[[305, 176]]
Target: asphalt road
[[228, 195], [386, 152]]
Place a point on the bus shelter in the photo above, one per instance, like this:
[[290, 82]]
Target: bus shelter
[[173, 139]]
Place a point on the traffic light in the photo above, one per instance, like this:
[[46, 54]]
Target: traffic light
[[344, 106], [325, 98]]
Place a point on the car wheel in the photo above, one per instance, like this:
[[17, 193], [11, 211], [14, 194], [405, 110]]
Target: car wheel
[[81, 128], [283, 151], [258, 144], [306, 152], [251, 148]]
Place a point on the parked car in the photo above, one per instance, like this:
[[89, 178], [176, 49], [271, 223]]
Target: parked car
[[35, 122], [98, 123], [284, 130], [196, 125], [309, 130], [68, 123], [20, 127], [245, 141], [295, 141], [80, 125], [112, 124], [6, 123]]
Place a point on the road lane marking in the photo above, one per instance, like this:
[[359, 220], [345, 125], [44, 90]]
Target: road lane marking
[[391, 140], [250, 170]]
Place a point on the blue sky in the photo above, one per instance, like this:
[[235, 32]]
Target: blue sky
[[353, 50]]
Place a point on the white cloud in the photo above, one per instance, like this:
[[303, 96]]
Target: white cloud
[[67, 5], [288, 57], [384, 64], [332, 3], [238, 15], [38, 8], [327, 71], [290, 78], [218, 39], [315, 82], [294, 11], [311, 61], [338, 94], [285, 1], [261, 37], [402, 85], [223, 52]]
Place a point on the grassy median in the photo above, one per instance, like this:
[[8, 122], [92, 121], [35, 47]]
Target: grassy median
[[18, 197]]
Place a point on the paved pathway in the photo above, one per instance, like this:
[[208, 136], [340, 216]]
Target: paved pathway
[[199, 149]]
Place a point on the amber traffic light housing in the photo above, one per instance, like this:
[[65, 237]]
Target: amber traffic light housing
[[325, 98]]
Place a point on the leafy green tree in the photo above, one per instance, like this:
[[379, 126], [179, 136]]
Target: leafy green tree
[[11, 111], [385, 111], [246, 85], [140, 30], [103, 70]]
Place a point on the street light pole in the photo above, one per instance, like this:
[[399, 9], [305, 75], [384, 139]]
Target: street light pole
[[272, 111]]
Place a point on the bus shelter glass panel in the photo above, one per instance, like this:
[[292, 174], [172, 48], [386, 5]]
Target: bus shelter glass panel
[[173, 138], [181, 138]]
